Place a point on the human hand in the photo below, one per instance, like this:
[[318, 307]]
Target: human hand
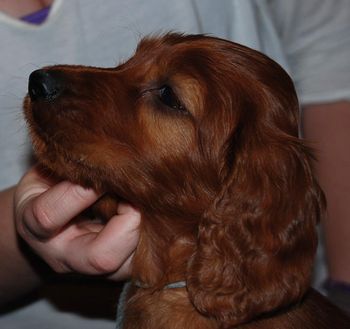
[[45, 217]]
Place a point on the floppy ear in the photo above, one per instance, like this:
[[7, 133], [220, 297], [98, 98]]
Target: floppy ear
[[257, 241]]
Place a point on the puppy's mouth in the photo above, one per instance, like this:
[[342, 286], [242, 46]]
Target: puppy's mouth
[[58, 149]]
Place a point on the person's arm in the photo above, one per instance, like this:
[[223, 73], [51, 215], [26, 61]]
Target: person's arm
[[327, 128], [18, 269]]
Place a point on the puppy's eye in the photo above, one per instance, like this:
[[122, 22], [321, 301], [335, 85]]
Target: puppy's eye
[[169, 98]]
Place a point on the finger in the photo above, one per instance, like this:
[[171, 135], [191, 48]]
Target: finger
[[106, 251], [123, 272], [43, 215], [31, 184]]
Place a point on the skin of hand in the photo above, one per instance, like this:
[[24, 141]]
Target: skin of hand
[[47, 219]]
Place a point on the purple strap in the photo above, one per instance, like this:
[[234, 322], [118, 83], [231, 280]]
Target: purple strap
[[37, 17], [338, 285]]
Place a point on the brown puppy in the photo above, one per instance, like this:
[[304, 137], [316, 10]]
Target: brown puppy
[[201, 135]]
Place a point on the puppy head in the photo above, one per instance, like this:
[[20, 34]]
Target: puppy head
[[133, 129], [200, 130]]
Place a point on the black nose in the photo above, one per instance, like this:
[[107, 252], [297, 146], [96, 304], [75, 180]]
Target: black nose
[[44, 85]]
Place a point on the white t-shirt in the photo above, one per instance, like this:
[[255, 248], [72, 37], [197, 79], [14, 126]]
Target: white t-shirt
[[103, 33], [315, 36]]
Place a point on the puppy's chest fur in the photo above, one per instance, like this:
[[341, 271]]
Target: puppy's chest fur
[[161, 309], [150, 302]]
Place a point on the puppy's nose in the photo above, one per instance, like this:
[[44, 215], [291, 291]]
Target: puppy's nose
[[44, 85]]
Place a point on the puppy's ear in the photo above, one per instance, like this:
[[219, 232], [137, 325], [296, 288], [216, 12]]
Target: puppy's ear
[[257, 241]]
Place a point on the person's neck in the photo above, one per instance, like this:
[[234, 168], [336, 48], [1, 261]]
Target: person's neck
[[20, 8]]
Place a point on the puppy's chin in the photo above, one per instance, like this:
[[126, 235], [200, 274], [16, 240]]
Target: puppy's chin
[[62, 167], [57, 163]]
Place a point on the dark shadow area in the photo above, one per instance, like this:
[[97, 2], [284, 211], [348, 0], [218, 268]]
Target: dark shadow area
[[90, 297]]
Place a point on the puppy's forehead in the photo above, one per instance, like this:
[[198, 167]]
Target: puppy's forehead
[[172, 54], [171, 42]]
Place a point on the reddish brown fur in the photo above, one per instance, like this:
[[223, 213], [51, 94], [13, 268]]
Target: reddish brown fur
[[226, 189]]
